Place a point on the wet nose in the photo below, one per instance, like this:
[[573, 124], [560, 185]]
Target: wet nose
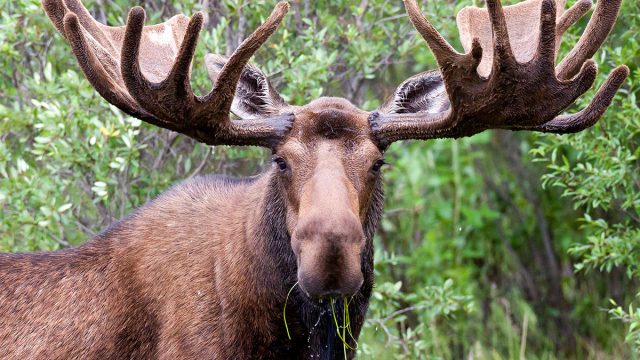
[[329, 258], [322, 287]]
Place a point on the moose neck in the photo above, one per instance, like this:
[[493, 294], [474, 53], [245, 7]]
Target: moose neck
[[310, 322]]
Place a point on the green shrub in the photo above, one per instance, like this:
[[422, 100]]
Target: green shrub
[[474, 258]]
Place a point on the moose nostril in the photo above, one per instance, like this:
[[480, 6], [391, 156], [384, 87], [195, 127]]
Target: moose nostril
[[331, 294], [319, 285], [346, 289]]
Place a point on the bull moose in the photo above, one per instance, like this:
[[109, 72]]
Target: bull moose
[[205, 270]]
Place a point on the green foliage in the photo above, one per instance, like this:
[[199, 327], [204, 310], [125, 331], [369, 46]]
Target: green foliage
[[631, 317], [474, 257], [599, 172]]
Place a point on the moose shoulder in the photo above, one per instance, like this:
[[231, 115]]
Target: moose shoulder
[[206, 269], [192, 268]]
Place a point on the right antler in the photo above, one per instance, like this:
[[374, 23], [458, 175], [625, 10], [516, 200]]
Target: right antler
[[145, 71], [522, 90], [523, 22]]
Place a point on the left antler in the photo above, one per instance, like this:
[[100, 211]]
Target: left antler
[[146, 71], [512, 95]]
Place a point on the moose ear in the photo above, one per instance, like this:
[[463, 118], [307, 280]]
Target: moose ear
[[255, 96], [423, 92]]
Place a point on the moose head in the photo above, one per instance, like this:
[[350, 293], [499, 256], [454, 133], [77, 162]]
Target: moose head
[[327, 154]]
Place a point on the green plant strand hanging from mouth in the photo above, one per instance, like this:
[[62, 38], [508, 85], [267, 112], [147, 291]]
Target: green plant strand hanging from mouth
[[341, 330]]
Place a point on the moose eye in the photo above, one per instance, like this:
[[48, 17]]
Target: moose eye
[[377, 165], [282, 164]]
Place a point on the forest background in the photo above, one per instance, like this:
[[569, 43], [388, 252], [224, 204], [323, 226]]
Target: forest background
[[500, 246]]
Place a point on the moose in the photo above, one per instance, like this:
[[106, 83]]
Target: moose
[[206, 269]]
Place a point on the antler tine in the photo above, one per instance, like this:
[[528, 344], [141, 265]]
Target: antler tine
[[582, 82], [95, 72], [70, 26], [600, 24], [55, 9], [474, 57], [503, 55], [588, 116], [175, 87], [569, 17], [227, 81], [546, 52], [444, 53], [545, 57], [181, 70], [86, 20]]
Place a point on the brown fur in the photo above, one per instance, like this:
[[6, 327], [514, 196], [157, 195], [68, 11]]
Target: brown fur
[[203, 270]]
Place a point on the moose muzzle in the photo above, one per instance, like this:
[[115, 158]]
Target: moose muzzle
[[329, 239]]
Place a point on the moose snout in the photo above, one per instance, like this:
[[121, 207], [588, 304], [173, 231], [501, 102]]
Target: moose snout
[[329, 257]]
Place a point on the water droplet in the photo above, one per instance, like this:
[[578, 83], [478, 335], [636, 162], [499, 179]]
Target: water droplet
[[314, 326]]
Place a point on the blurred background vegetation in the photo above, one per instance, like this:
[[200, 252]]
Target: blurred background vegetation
[[500, 246]]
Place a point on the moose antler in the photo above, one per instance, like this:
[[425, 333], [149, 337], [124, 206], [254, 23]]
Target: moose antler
[[145, 71], [521, 18], [512, 95]]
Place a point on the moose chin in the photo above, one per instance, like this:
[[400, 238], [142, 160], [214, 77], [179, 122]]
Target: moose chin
[[212, 267]]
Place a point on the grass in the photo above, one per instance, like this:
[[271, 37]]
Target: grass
[[342, 331], [346, 326], [284, 310]]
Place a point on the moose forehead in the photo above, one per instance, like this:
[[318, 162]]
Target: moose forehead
[[330, 119]]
